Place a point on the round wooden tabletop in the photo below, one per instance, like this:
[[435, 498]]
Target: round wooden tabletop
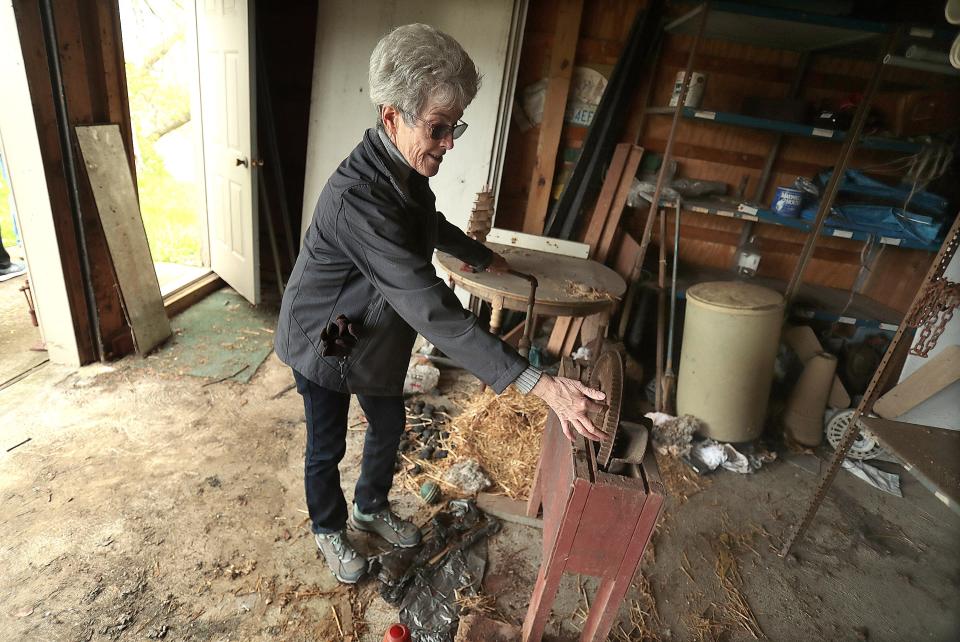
[[566, 286]]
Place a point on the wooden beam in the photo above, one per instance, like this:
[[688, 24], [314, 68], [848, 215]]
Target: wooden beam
[[91, 63], [539, 243], [513, 336], [511, 510], [37, 71], [558, 336], [939, 372], [602, 250], [554, 106], [601, 211], [182, 298]]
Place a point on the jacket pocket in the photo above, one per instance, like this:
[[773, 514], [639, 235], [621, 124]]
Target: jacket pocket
[[368, 329]]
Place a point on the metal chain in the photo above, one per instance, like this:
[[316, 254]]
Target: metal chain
[[939, 303]]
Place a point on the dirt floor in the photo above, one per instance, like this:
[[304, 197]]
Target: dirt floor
[[149, 505], [19, 338]]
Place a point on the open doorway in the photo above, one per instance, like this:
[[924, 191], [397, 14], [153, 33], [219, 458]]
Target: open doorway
[[161, 69], [21, 346]]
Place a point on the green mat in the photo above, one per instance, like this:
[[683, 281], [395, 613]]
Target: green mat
[[221, 337]]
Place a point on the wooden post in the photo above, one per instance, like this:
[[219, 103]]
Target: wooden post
[[554, 106]]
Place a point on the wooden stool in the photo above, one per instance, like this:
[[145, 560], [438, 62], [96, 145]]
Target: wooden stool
[[594, 523]]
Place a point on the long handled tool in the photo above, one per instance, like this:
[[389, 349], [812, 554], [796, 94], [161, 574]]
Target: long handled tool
[[669, 378]]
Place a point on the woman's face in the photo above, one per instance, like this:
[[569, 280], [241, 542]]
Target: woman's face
[[415, 143]]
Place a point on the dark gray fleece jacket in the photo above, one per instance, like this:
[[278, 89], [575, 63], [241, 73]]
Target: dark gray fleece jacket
[[367, 254]]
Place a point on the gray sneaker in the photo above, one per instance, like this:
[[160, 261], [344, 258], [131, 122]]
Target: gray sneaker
[[389, 526], [347, 565]]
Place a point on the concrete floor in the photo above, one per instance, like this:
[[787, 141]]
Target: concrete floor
[[148, 506]]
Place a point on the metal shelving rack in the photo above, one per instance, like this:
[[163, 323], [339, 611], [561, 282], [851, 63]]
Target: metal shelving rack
[[885, 143], [931, 454], [923, 450], [807, 33]]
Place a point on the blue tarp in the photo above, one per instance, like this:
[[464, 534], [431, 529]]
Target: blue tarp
[[866, 205]]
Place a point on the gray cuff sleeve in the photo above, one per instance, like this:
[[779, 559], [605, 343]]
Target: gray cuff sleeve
[[527, 380]]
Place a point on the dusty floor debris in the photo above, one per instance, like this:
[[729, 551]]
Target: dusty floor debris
[[146, 506]]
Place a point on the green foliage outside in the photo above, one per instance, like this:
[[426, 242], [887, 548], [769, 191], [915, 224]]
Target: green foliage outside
[[168, 206], [159, 106], [6, 216]]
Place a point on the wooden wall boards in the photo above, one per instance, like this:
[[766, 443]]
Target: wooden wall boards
[[74, 63]]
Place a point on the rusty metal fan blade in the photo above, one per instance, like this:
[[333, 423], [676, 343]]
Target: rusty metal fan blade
[[607, 376]]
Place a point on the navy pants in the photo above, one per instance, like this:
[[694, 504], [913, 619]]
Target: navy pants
[[326, 414]]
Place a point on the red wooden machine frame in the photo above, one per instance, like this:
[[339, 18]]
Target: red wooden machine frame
[[594, 523]]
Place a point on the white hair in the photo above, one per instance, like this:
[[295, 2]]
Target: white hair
[[416, 65]]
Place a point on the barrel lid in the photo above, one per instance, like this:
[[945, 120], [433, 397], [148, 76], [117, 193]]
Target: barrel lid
[[736, 296]]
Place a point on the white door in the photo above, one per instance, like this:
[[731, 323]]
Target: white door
[[228, 112]]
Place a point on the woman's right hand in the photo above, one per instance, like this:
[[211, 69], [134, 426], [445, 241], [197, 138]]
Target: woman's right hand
[[571, 401]]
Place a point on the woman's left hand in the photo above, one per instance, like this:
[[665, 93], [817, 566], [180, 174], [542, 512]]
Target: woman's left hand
[[572, 401], [498, 265]]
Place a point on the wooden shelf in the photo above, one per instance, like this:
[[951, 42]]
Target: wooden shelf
[[932, 455]]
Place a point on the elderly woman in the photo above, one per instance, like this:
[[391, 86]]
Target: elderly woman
[[363, 286]]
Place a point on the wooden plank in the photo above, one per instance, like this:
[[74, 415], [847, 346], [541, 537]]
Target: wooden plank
[[594, 326], [620, 200], [106, 162], [181, 299], [114, 72], [625, 255], [541, 243], [601, 211], [558, 336], [573, 335], [554, 106], [511, 510], [932, 377]]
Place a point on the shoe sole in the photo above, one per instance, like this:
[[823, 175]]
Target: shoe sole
[[345, 581], [361, 526]]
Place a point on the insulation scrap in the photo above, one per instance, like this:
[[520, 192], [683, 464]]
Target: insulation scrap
[[468, 477], [673, 435]]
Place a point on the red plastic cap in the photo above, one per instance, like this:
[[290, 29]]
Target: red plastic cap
[[397, 633]]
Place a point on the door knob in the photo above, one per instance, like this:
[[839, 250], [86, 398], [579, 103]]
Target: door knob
[[242, 161]]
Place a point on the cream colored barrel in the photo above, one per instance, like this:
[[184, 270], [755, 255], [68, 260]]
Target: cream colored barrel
[[730, 336]]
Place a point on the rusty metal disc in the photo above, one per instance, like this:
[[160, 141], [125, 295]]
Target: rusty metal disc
[[607, 376]]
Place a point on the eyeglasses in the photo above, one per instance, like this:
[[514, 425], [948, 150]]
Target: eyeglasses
[[440, 132]]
